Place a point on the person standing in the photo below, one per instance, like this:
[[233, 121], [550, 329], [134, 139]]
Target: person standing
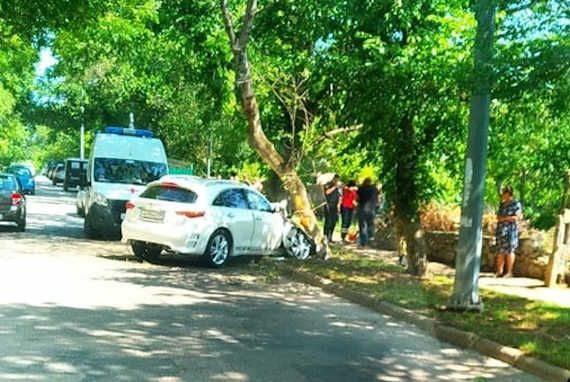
[[332, 207], [367, 197], [347, 205], [507, 234]]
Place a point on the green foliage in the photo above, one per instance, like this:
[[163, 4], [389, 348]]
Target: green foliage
[[16, 59], [46, 145], [360, 88]]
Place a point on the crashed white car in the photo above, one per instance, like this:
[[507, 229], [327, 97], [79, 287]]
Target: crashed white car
[[215, 219]]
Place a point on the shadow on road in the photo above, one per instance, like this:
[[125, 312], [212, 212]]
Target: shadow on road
[[215, 325], [181, 261]]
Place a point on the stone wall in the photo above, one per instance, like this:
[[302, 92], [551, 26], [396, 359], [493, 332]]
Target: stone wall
[[531, 260]]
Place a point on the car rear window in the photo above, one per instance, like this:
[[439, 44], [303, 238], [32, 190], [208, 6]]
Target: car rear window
[[170, 194], [7, 183], [22, 171]]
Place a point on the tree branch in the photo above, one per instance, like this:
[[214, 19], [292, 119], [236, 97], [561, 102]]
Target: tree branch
[[247, 22], [228, 22], [332, 133]]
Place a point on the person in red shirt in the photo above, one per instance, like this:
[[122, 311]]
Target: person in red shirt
[[347, 207]]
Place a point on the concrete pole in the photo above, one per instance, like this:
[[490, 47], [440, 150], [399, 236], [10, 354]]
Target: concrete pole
[[82, 138], [466, 288], [209, 152]]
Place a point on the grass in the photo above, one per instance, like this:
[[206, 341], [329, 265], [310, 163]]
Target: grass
[[538, 329]]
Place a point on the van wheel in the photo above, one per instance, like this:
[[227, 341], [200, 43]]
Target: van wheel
[[218, 249], [22, 225], [90, 232]]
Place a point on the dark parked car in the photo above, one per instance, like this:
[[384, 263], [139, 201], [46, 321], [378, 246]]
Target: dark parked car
[[75, 170], [12, 201], [50, 168], [58, 174], [25, 177]]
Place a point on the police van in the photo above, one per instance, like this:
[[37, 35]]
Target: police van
[[121, 163]]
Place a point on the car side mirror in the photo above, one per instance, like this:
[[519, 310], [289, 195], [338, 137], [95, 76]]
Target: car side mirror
[[279, 207]]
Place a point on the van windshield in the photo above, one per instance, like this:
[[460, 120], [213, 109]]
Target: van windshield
[[128, 171]]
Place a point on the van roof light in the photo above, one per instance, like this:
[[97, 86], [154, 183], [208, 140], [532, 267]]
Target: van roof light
[[129, 131]]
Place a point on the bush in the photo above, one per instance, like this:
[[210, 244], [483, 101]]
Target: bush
[[437, 217]]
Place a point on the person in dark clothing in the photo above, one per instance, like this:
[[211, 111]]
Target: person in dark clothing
[[332, 207], [367, 196]]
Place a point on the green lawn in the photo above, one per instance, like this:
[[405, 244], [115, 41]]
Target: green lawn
[[538, 329]]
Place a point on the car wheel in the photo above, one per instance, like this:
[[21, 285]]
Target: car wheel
[[139, 249], [297, 244], [90, 232], [218, 249], [152, 251], [22, 225]]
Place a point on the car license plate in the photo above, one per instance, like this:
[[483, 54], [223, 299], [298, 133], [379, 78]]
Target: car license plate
[[152, 216], [123, 216]]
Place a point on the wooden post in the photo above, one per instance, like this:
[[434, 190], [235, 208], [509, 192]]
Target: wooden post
[[561, 249]]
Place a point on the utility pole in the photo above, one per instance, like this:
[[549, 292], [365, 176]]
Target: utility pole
[[466, 288], [209, 151], [82, 139], [131, 120]]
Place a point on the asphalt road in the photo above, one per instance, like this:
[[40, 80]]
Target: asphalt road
[[73, 309]]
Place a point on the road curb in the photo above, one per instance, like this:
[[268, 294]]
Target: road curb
[[445, 333]]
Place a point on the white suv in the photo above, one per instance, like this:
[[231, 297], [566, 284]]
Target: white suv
[[212, 218]]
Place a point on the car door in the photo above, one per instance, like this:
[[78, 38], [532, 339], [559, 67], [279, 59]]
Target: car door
[[237, 217], [268, 224]]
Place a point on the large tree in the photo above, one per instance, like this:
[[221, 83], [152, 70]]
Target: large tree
[[239, 40]]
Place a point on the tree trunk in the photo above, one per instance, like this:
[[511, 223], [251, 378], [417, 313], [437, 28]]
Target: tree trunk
[[257, 138], [407, 218], [417, 247]]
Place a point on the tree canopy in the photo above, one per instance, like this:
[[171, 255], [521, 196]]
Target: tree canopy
[[361, 88]]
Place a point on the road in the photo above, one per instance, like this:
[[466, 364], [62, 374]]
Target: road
[[73, 309]]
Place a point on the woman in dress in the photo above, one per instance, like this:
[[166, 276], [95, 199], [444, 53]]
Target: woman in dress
[[508, 216]]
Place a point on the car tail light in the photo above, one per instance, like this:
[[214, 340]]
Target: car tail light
[[16, 198], [191, 214], [169, 184], [129, 205]]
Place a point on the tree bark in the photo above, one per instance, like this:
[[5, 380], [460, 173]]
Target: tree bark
[[407, 218], [256, 136]]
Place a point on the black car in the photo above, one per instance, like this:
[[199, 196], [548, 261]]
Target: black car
[[75, 170], [12, 201]]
